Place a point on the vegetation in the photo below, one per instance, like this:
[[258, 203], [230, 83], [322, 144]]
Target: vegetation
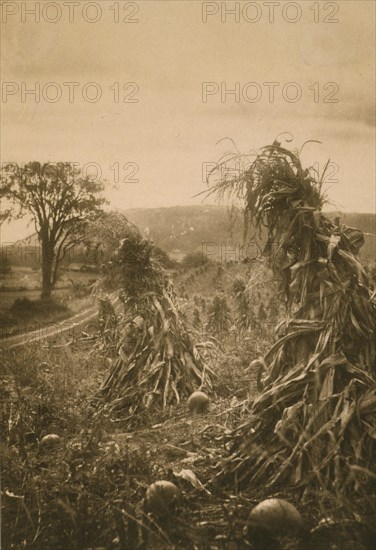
[[281, 457], [313, 424], [194, 259], [158, 362], [90, 491], [23, 308], [163, 258], [5, 267], [60, 201], [219, 315]]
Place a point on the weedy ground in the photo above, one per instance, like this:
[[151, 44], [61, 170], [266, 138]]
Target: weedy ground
[[88, 492]]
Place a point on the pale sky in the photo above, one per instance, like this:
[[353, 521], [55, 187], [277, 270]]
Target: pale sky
[[169, 53]]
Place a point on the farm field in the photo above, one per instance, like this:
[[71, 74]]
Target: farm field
[[89, 491], [188, 276]]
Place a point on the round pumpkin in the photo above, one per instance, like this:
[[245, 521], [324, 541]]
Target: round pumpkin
[[162, 498], [49, 442], [276, 517], [198, 402]]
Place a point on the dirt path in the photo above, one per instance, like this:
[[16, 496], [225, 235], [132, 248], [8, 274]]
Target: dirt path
[[70, 327]]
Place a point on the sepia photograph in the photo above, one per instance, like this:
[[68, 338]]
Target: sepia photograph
[[187, 275]]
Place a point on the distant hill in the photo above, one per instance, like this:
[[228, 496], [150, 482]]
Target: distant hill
[[181, 229]]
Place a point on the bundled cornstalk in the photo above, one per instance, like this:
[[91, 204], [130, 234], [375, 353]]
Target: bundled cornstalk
[[219, 320], [314, 422], [158, 362]]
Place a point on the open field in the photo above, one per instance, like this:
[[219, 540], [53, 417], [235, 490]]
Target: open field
[[20, 306]]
